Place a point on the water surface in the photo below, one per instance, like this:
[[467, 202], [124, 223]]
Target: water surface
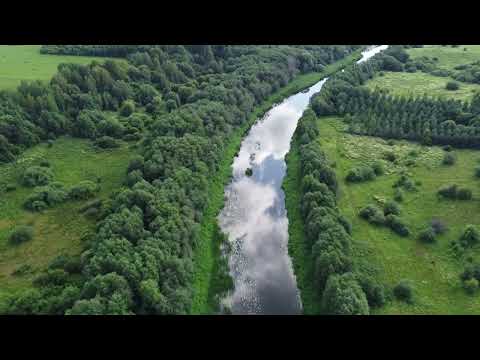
[[254, 216]]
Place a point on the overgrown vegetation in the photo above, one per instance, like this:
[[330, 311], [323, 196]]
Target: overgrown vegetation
[[192, 100]]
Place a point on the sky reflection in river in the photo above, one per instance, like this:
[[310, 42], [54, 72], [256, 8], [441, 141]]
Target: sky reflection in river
[[254, 215]]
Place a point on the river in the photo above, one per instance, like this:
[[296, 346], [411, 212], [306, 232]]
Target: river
[[254, 215]]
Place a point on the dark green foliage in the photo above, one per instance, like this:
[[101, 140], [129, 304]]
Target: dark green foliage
[[194, 97], [427, 235], [249, 172], [471, 286], [403, 291], [449, 158], [127, 108], [360, 174], [477, 172], [344, 296], [397, 225], [452, 86], [391, 207], [106, 142], [36, 176], [470, 236], [464, 194], [44, 197], [398, 196], [378, 168], [438, 226], [373, 215], [374, 291], [454, 192], [10, 187], [20, 235], [83, 190], [432, 121]]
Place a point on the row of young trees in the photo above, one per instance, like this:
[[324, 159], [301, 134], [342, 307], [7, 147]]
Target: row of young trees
[[342, 288], [140, 260], [425, 119]]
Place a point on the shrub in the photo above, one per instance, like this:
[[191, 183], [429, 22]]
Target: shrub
[[391, 207], [373, 215], [427, 235], [464, 194], [22, 270], [448, 191], [449, 158], [438, 226], [378, 168], [133, 177], [359, 174], [45, 163], [398, 196], [127, 108], [83, 190], [390, 156], [477, 172], [403, 291], [20, 235], [470, 286], [106, 142], [36, 176], [447, 148], [10, 188], [45, 196], [470, 236], [452, 86], [373, 290], [396, 224]]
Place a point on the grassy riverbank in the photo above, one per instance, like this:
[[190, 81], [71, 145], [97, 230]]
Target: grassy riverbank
[[207, 253]]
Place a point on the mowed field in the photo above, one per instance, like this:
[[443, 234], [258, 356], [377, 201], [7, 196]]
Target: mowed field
[[419, 84], [24, 62], [448, 57], [432, 268], [61, 228]]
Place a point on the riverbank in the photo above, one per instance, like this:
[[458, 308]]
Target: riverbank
[[207, 256]]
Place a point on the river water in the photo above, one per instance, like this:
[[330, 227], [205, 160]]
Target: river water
[[254, 216]]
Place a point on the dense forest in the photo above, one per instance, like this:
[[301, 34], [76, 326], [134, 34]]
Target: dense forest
[[426, 119], [181, 103]]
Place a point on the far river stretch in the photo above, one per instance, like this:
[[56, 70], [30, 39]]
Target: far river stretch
[[254, 216]]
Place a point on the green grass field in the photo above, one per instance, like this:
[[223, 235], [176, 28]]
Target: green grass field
[[433, 269], [448, 57], [419, 84], [60, 229], [24, 62]]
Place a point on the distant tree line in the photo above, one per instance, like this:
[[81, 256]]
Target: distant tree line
[[429, 120], [184, 102]]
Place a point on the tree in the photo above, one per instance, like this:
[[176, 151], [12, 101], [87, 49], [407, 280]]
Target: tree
[[344, 296], [84, 190], [470, 286]]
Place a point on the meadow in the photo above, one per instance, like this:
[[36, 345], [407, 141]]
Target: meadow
[[432, 269], [419, 84], [448, 57], [24, 62], [60, 229]]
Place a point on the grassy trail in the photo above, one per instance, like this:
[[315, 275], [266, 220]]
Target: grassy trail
[[207, 252]]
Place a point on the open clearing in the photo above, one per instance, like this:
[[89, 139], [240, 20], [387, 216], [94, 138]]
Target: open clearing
[[60, 229], [419, 84], [24, 62], [448, 57], [433, 269]]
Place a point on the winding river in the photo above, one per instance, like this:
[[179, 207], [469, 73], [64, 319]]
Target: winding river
[[254, 215]]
